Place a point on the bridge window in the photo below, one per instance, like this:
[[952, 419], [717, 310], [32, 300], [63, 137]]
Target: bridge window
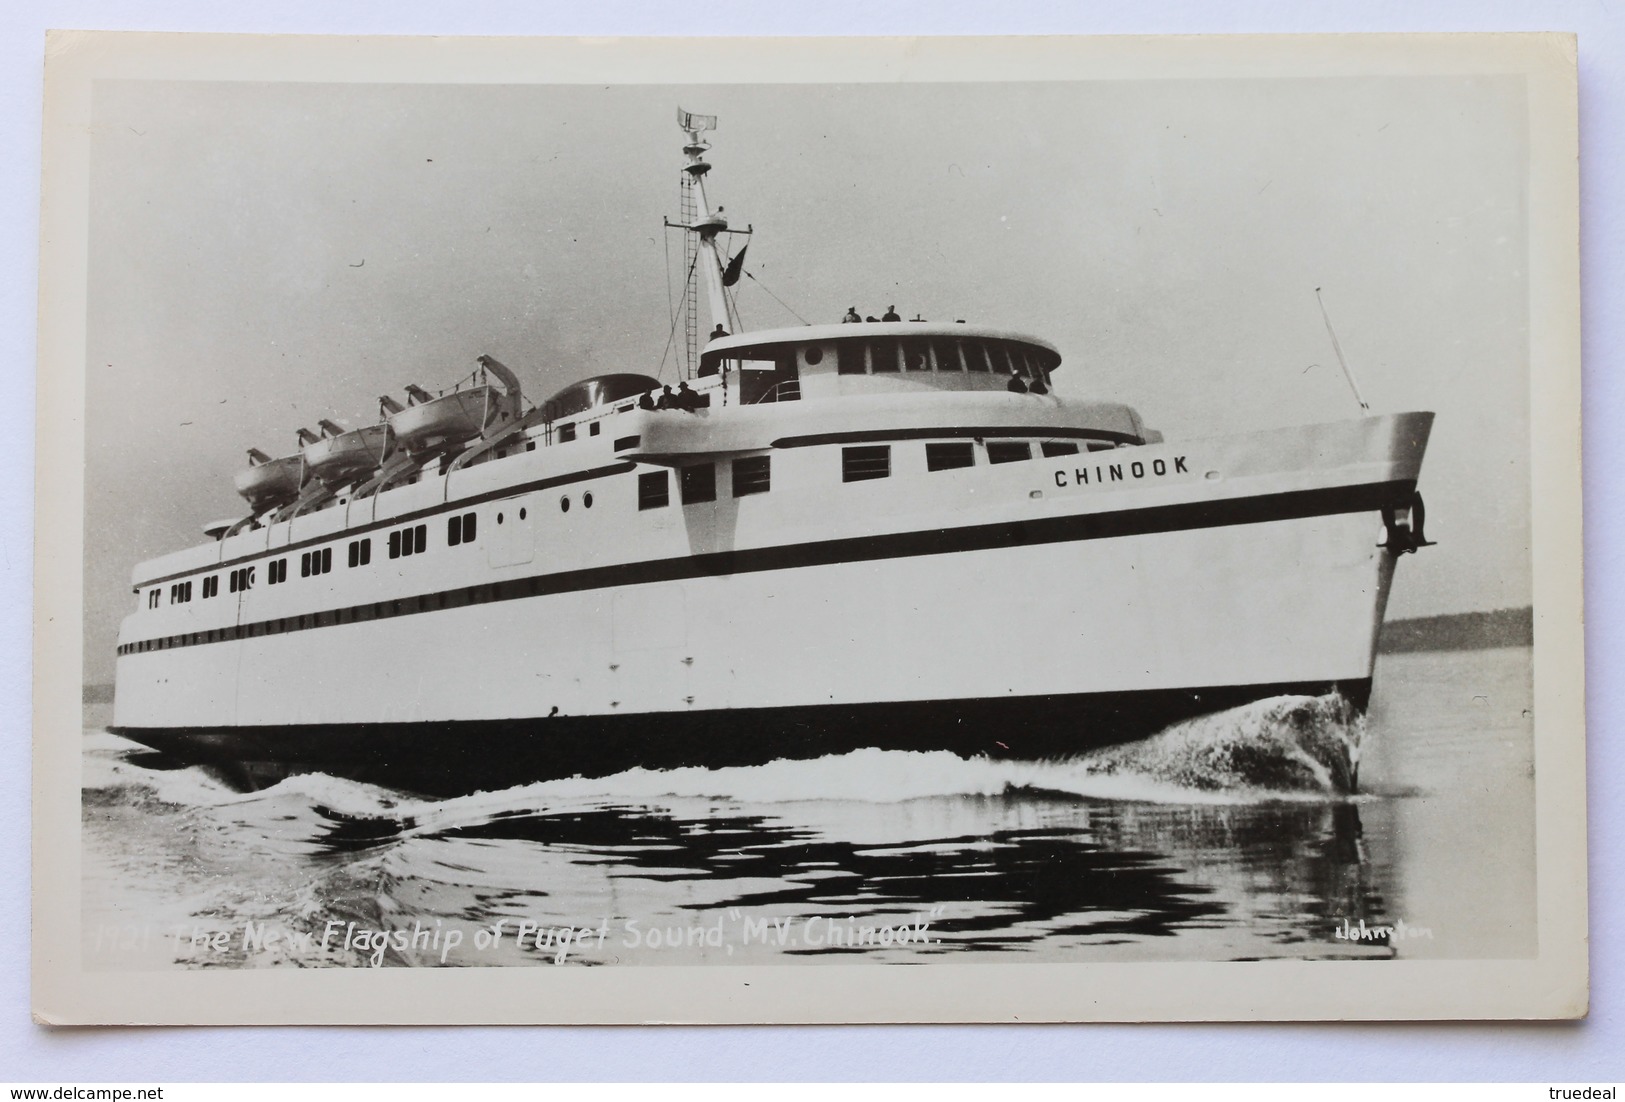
[[654, 490], [946, 457], [883, 356], [975, 357], [849, 358], [916, 356], [752, 474], [863, 463], [945, 355], [699, 483], [1008, 451], [1052, 448]]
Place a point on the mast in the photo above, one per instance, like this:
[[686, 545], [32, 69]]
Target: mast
[[702, 224]]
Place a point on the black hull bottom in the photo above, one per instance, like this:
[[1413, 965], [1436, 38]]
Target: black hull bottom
[[449, 758]]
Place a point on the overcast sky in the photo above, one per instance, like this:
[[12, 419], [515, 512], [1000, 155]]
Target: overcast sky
[[263, 255]]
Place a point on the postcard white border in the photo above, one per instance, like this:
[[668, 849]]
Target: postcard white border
[[1551, 985]]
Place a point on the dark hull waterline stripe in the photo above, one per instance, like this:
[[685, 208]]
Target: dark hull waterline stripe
[[995, 432], [452, 506], [1189, 516], [455, 757]]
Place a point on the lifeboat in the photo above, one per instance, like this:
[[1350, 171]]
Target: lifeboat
[[434, 423], [341, 456], [266, 483]]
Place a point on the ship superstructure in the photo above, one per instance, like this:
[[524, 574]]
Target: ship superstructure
[[835, 535]]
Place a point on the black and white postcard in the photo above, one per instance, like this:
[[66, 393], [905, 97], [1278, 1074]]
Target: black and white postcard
[[862, 530]]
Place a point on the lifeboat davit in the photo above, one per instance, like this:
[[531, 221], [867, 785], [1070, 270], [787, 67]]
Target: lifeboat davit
[[342, 456], [266, 483]]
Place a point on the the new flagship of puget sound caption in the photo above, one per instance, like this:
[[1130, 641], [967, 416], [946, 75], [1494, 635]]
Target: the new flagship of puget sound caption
[[873, 532]]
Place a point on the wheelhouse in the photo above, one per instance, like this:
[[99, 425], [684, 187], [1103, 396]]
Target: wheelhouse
[[825, 361]]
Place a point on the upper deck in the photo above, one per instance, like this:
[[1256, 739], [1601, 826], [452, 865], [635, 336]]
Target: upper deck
[[868, 358]]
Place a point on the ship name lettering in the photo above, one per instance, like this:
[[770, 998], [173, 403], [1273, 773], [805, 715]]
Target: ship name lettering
[[1116, 472]]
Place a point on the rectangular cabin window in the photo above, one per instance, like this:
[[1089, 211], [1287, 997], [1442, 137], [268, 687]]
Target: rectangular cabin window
[[360, 552], [654, 490], [975, 357], [394, 545], [420, 538], [460, 529], [1008, 451], [916, 355], [1052, 448], [849, 358], [883, 356], [947, 457], [1101, 446], [699, 483], [304, 567], [594, 429], [567, 433], [752, 474], [863, 463]]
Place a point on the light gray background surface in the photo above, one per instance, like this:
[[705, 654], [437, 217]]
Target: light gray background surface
[[1556, 1053]]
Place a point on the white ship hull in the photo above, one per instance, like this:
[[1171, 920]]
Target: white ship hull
[[1029, 608]]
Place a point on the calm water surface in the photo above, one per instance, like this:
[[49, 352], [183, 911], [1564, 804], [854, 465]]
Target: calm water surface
[[1230, 837]]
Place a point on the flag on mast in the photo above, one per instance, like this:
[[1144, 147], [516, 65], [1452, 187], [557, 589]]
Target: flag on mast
[[730, 275]]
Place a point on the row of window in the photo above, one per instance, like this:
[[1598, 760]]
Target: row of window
[[567, 431], [379, 610], [412, 540], [460, 529], [754, 474], [874, 357], [315, 562]]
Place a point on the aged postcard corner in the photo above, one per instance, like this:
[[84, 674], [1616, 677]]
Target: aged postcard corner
[[560, 537]]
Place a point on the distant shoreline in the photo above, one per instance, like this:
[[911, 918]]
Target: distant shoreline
[[1504, 627]]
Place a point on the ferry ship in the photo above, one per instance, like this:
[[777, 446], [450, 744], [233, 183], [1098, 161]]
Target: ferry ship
[[866, 533]]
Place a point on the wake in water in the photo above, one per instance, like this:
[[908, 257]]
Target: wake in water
[[1116, 849], [1283, 748]]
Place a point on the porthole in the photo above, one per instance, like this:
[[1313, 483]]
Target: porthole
[[586, 500], [815, 354], [564, 504], [499, 518], [521, 514]]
